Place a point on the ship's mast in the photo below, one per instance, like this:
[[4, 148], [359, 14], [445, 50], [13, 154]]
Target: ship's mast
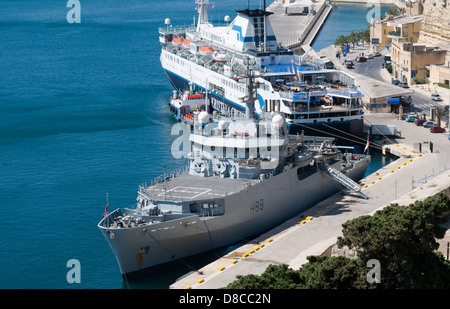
[[202, 13], [252, 87], [265, 29]]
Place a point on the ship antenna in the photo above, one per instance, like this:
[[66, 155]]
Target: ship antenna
[[249, 99], [265, 30], [165, 187]]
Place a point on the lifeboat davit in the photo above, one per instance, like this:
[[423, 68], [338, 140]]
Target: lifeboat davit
[[177, 42], [206, 50], [220, 56]]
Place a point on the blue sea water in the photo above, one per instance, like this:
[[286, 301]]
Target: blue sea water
[[346, 18], [83, 113]]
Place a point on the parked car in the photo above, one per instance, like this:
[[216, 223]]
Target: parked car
[[349, 64], [436, 129], [419, 122], [411, 118], [395, 82], [370, 56], [376, 54], [403, 85], [428, 124], [361, 59], [436, 97]]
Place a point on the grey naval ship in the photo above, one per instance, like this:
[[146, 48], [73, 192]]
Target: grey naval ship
[[244, 176]]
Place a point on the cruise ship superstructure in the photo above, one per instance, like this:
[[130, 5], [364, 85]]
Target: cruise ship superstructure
[[209, 60]]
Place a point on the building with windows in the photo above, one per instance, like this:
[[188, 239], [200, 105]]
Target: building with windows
[[406, 28], [440, 73], [411, 61]]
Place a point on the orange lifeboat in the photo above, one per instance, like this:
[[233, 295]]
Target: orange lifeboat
[[186, 43], [177, 42], [206, 50]]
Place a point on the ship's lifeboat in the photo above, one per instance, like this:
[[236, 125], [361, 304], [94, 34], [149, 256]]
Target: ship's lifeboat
[[177, 42], [206, 50], [186, 43], [220, 56]]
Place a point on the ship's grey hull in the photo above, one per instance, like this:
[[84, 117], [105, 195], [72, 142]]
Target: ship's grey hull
[[247, 213]]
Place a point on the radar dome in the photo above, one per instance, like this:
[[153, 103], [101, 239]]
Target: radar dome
[[222, 124], [277, 119], [203, 117]]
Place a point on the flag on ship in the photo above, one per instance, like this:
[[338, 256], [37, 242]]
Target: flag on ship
[[106, 207], [367, 144]]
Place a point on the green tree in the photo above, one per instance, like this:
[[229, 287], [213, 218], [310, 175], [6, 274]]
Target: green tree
[[365, 35], [274, 277], [353, 37], [393, 12], [340, 41], [440, 112], [323, 272], [401, 238]]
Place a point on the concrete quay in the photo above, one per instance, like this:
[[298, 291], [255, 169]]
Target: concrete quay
[[295, 30], [316, 229]]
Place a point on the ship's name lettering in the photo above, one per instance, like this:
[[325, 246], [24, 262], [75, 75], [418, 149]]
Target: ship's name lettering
[[257, 206]]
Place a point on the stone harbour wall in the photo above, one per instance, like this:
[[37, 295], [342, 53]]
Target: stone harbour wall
[[436, 22]]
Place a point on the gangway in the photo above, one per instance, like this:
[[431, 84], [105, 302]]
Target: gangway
[[343, 180]]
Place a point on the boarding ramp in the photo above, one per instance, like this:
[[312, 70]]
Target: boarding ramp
[[343, 180]]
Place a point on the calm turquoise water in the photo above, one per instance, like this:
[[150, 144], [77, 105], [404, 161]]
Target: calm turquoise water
[[345, 18], [83, 112]]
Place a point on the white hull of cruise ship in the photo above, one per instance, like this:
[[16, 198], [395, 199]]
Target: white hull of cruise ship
[[246, 213]]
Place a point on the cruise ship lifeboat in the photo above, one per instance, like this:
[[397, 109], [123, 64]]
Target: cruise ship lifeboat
[[178, 42], [206, 50], [186, 43], [221, 57]]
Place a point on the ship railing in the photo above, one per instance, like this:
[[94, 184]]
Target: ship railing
[[110, 217], [419, 182], [274, 172], [163, 177], [176, 30]]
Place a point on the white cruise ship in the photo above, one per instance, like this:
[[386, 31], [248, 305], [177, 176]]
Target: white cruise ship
[[209, 60]]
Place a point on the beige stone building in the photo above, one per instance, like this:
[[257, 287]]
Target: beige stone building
[[414, 7], [411, 61], [441, 73], [420, 46], [405, 27], [379, 35]]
